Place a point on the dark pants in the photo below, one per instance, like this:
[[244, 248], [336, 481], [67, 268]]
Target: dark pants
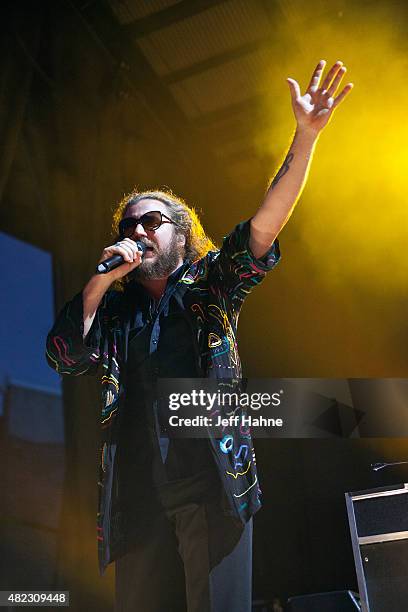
[[193, 559]]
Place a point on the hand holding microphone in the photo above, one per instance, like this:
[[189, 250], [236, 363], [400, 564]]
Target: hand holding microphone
[[123, 257]]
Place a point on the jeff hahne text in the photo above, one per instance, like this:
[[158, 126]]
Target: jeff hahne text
[[212, 401]]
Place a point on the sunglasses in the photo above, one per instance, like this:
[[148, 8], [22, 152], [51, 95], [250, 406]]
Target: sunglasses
[[151, 221]]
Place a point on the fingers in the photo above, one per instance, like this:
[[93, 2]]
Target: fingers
[[336, 81], [342, 94], [316, 76], [294, 88], [126, 247], [331, 74]]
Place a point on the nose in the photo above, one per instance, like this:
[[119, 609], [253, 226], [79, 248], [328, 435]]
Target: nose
[[139, 231]]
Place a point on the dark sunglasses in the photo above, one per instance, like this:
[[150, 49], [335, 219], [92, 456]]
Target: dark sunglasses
[[151, 221]]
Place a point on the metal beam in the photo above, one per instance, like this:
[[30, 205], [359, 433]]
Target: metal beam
[[166, 17], [215, 61], [139, 77]]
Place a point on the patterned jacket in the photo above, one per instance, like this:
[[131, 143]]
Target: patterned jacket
[[211, 290]]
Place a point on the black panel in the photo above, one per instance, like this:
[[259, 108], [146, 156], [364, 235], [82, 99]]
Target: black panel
[[386, 573], [381, 514]]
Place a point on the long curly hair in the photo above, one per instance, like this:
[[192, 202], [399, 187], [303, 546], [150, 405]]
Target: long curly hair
[[197, 244]]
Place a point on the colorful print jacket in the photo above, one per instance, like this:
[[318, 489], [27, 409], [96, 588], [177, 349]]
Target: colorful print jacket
[[211, 290]]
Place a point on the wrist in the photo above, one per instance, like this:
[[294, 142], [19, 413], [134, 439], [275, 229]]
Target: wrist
[[307, 133]]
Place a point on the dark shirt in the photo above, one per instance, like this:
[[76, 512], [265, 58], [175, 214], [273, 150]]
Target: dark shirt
[[174, 470]]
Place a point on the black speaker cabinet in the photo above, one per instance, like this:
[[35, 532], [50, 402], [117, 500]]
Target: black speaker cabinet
[[378, 520], [335, 601]]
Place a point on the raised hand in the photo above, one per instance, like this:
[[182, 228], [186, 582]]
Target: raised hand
[[315, 108]]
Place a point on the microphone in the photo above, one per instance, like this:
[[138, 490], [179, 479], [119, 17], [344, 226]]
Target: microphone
[[116, 260], [376, 467]]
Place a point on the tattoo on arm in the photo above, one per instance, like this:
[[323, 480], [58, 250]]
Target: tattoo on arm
[[282, 171]]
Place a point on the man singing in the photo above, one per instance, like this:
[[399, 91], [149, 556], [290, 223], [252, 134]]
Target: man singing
[[176, 514]]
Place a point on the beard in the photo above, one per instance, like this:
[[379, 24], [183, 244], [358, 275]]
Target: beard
[[162, 265]]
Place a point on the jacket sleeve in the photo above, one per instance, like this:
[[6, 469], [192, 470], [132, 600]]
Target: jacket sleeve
[[235, 270], [66, 350]]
